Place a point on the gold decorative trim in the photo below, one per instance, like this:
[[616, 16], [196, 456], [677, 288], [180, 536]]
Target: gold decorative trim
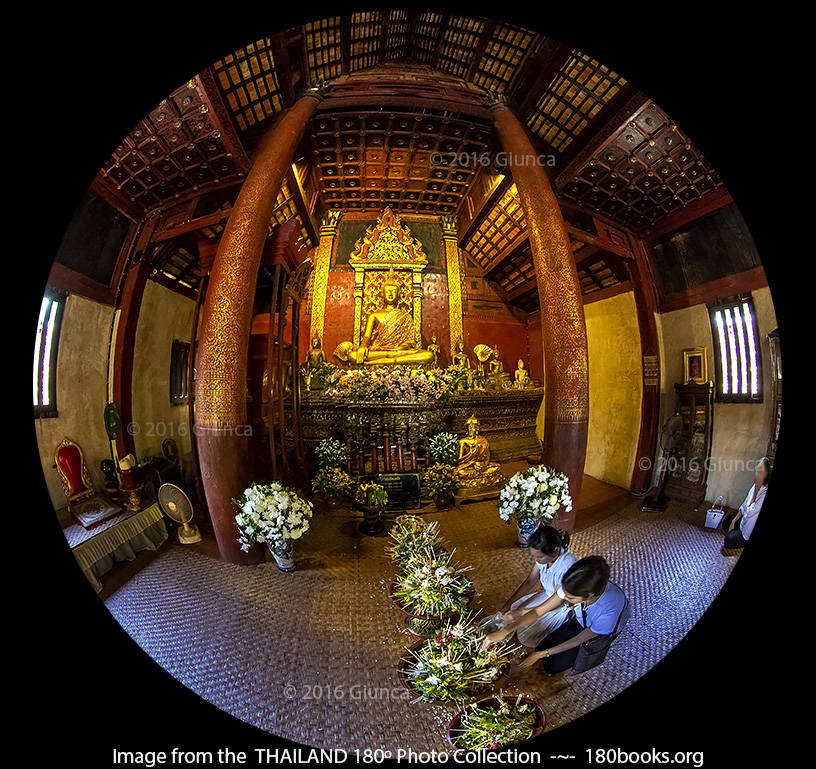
[[453, 266], [322, 263]]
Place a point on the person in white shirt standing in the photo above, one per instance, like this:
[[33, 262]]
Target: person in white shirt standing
[[550, 550], [738, 527]]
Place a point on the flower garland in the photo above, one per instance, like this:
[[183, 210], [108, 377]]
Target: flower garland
[[391, 385], [535, 494], [452, 666], [271, 514], [412, 535], [485, 727], [431, 585]]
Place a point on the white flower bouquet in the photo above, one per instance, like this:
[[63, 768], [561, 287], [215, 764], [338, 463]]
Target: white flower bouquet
[[431, 585], [535, 494], [271, 514], [412, 535], [452, 665]]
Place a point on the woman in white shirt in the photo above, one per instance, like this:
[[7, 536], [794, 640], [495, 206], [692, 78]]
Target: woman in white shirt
[[738, 527], [550, 550], [601, 611]]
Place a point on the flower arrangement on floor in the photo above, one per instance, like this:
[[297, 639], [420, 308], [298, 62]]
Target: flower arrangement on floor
[[444, 448], [273, 515], [431, 585], [332, 482], [452, 666], [440, 479], [535, 495], [371, 495], [495, 724], [331, 453], [391, 385], [411, 536]]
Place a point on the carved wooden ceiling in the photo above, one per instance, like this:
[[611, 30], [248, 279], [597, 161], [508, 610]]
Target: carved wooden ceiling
[[406, 86]]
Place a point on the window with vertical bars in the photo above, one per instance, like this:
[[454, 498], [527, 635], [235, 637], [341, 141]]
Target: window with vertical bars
[[45, 355], [737, 360], [179, 362], [461, 38], [366, 37]]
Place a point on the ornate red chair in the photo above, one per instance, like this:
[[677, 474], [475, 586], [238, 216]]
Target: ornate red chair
[[83, 503]]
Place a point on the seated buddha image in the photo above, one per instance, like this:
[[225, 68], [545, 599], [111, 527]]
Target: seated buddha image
[[474, 468], [389, 335]]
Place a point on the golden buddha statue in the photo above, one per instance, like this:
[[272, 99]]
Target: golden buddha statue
[[498, 378], [315, 361], [474, 470], [434, 349], [389, 335], [522, 376]]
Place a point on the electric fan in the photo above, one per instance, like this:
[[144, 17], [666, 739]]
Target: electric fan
[[669, 438], [177, 506]]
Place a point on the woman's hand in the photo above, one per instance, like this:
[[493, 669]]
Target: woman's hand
[[493, 638], [528, 660]]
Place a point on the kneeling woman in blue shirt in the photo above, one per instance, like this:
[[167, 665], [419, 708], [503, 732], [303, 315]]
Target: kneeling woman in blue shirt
[[599, 606]]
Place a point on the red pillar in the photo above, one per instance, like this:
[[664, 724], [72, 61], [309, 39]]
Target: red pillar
[[566, 398], [221, 419]]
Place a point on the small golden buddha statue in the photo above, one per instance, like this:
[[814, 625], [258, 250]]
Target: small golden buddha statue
[[434, 349], [522, 376], [474, 470], [315, 360], [497, 379], [389, 334], [460, 358]]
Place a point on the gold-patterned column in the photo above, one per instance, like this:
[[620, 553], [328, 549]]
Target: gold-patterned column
[[221, 368], [566, 404], [322, 262], [452, 264], [416, 283]]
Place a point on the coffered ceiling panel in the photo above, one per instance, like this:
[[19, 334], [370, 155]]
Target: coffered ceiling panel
[[646, 170], [367, 160]]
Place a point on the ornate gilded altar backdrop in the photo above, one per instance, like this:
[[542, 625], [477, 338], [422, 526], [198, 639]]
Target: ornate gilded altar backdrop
[[507, 419]]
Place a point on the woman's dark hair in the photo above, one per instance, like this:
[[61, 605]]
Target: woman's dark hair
[[547, 538], [587, 576], [767, 464]]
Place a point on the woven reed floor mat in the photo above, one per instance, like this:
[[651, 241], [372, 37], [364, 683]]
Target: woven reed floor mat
[[312, 656]]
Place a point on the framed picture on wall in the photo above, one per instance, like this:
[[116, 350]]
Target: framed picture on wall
[[695, 366]]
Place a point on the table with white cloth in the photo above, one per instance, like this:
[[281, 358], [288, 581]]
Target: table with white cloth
[[118, 539]]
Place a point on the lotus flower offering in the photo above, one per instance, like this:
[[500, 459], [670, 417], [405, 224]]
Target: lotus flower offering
[[431, 585], [452, 666], [412, 535]]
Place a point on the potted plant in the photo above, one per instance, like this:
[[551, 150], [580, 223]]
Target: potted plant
[[431, 590], [451, 665], [440, 480], [444, 449], [332, 483], [412, 535], [371, 498], [496, 722], [274, 515], [534, 496], [331, 453]]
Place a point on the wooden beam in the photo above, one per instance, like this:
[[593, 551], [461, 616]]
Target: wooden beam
[[741, 283], [300, 205], [612, 116], [543, 68], [108, 191], [222, 119], [174, 285], [606, 293], [72, 282], [466, 232], [345, 44], [440, 41], [480, 49], [409, 34], [601, 243], [524, 288], [384, 35], [497, 261], [192, 225], [700, 207]]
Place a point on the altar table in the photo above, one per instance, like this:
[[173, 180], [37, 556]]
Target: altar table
[[117, 540]]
